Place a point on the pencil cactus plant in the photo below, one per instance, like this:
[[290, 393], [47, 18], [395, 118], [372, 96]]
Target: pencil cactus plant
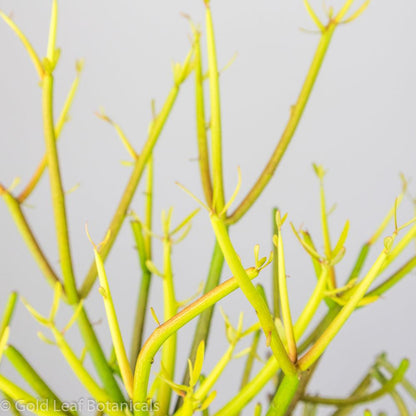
[[137, 381]]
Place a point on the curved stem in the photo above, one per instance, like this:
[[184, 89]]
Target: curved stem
[[164, 331]]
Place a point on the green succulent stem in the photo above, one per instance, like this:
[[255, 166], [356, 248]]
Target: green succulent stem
[[19, 395], [58, 197], [139, 167], [253, 296], [26, 232], [387, 387], [250, 359], [400, 403], [99, 394], [290, 129], [204, 321], [169, 347], [281, 401], [216, 132], [330, 332], [164, 331], [203, 158], [20, 363], [8, 312], [63, 118], [144, 249]]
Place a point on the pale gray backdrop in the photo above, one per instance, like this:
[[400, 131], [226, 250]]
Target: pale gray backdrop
[[359, 124]]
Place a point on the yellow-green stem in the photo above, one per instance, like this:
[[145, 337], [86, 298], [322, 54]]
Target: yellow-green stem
[[253, 296], [135, 177], [164, 331], [58, 198], [320, 345], [24, 398], [216, 132], [169, 347], [296, 114], [203, 156], [28, 237]]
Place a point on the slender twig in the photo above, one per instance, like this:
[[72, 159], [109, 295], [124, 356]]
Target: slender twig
[[203, 156], [256, 300], [139, 166], [295, 116], [58, 197], [20, 363], [204, 322], [275, 270], [250, 359], [19, 395], [139, 321], [281, 401], [63, 118], [400, 404], [169, 347], [383, 362], [386, 388], [119, 348], [28, 236], [8, 312], [216, 133]]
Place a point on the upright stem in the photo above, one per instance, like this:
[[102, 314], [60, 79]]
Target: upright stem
[[8, 312], [203, 156], [144, 248], [139, 321], [295, 116], [253, 296], [216, 133], [320, 345], [98, 357], [281, 401], [204, 322], [169, 347], [58, 198], [58, 201], [275, 271]]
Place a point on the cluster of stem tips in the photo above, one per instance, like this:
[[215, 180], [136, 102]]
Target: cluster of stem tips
[[136, 382]]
